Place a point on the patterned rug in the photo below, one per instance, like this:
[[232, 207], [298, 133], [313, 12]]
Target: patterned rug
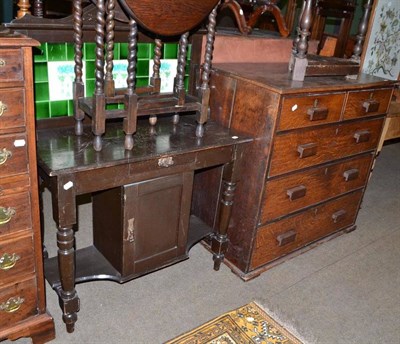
[[245, 325]]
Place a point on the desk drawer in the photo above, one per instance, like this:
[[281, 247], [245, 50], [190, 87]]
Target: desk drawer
[[18, 302], [11, 61], [285, 195], [15, 212], [13, 154], [367, 103], [282, 237], [314, 109], [301, 149], [12, 108], [16, 258]]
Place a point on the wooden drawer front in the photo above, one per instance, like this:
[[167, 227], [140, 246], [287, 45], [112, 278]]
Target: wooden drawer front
[[13, 184], [282, 237], [285, 195], [305, 111], [17, 302], [13, 154], [11, 65], [367, 103], [12, 108], [15, 212], [16, 258], [306, 148]]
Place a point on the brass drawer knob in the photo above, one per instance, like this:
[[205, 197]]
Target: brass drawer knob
[[12, 304], [8, 261], [6, 214], [3, 107], [4, 155]]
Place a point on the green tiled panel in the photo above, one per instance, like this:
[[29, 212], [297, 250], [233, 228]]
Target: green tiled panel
[[40, 72], [89, 52], [142, 68], [170, 51], [144, 51], [140, 82], [57, 52], [90, 68], [89, 87], [40, 53], [41, 91], [42, 110], [70, 51], [58, 108], [70, 107]]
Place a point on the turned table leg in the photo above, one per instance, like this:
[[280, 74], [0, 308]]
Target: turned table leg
[[64, 213], [230, 176]]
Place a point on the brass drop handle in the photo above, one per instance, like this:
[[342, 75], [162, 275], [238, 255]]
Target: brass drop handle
[[8, 261], [339, 215], [4, 155], [6, 214], [306, 150], [287, 237], [317, 113], [351, 174], [296, 192], [2, 62], [12, 304], [370, 105], [362, 136], [3, 107]]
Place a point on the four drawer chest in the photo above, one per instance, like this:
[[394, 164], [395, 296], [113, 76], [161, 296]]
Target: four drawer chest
[[305, 173], [22, 296]]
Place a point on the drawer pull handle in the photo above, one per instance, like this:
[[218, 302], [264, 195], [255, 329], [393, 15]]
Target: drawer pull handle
[[8, 261], [2, 63], [3, 107], [6, 214], [370, 105], [339, 215], [307, 149], [362, 136], [296, 192], [4, 155], [12, 304], [286, 238], [317, 113], [351, 174]]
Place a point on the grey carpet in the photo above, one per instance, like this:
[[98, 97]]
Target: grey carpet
[[344, 291]]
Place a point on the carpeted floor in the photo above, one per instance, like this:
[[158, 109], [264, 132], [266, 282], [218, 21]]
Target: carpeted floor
[[345, 291]]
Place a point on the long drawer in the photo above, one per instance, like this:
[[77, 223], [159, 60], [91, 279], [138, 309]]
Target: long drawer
[[16, 258], [304, 148], [13, 154], [284, 236], [287, 194], [18, 302], [12, 108], [15, 212]]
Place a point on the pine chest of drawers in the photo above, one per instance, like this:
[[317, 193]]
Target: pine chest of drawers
[[304, 176], [22, 298]]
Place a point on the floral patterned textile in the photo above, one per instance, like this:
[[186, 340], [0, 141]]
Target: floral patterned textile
[[245, 325]]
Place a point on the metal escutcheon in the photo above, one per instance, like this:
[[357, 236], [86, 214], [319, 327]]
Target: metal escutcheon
[[8, 261], [4, 155], [12, 304], [6, 214]]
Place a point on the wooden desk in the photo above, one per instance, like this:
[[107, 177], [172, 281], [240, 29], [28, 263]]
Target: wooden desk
[[142, 190]]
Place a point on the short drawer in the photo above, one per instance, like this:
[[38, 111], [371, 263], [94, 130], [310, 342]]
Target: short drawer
[[13, 154], [287, 194], [11, 63], [15, 212], [18, 302], [280, 238], [305, 111], [16, 258], [367, 103], [300, 149], [12, 108]]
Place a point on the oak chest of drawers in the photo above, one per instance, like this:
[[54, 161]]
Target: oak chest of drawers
[[304, 175], [22, 297]]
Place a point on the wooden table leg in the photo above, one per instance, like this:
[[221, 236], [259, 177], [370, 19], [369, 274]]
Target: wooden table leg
[[64, 213], [230, 176]]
